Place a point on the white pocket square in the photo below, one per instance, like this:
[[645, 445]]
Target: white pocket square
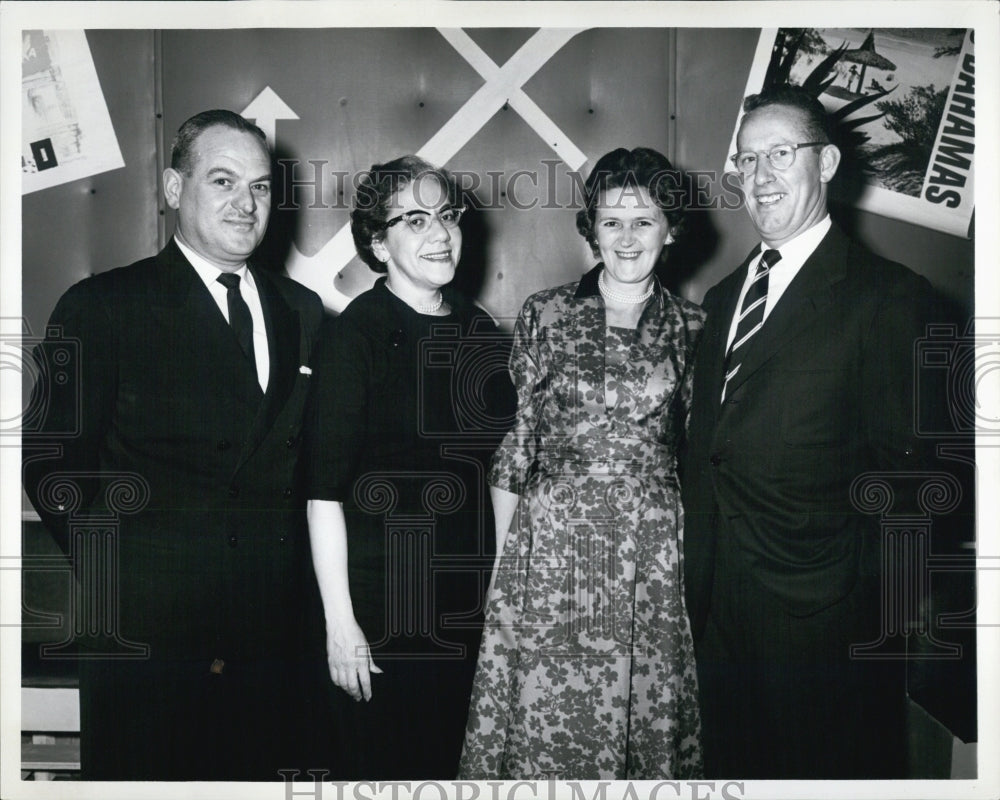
[[305, 370]]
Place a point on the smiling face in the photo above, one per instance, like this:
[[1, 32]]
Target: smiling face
[[630, 230], [423, 261], [784, 203], [223, 205]]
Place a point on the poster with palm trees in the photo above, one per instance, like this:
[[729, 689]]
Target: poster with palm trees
[[903, 100]]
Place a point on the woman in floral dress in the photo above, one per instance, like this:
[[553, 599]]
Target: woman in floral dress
[[586, 669]]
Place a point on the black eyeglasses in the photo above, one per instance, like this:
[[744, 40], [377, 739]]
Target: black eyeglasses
[[780, 157], [420, 221]]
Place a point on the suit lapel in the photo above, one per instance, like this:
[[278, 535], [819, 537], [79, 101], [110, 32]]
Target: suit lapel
[[283, 344], [713, 347], [798, 307], [185, 308]]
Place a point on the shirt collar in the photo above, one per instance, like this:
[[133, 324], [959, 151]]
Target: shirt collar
[[207, 271], [801, 247]]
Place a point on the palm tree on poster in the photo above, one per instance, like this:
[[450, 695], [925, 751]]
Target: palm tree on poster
[[790, 45]]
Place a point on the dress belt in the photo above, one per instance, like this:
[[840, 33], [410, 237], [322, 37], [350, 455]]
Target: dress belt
[[658, 460]]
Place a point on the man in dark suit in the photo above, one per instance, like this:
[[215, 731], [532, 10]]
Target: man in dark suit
[[803, 382], [182, 438]]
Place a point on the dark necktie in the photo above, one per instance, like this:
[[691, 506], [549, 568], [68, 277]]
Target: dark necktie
[[239, 315], [751, 317]]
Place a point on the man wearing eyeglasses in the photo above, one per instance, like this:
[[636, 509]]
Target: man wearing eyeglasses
[[803, 382]]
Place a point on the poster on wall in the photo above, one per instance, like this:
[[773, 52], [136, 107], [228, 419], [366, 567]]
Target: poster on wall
[[904, 103], [66, 131]]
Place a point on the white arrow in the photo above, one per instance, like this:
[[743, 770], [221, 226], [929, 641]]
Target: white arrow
[[318, 272], [267, 108]]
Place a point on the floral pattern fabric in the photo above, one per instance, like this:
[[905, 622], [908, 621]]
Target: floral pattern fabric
[[586, 669]]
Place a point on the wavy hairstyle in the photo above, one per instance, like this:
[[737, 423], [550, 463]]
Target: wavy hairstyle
[[375, 192], [643, 168]]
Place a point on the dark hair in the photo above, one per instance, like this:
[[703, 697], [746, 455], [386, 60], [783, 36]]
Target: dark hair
[[641, 168], [181, 158], [817, 122], [375, 192]]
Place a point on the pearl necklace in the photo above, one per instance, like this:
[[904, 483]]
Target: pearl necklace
[[620, 297], [423, 308]]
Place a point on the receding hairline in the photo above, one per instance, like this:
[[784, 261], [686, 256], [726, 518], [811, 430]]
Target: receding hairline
[[192, 149], [196, 152], [221, 126], [803, 119]]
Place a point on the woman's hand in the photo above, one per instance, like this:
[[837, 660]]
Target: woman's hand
[[346, 647], [350, 661]]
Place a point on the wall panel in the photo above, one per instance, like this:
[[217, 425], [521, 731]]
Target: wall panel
[[106, 220], [368, 95], [364, 95]]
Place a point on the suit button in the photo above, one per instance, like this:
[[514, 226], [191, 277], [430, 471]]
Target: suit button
[[290, 441], [282, 539], [234, 491], [715, 459], [287, 492], [233, 541], [224, 444]]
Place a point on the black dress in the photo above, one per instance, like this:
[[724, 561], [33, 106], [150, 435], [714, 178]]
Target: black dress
[[407, 410]]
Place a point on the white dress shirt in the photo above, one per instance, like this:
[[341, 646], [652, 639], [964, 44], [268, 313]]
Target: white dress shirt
[[209, 273], [794, 254]]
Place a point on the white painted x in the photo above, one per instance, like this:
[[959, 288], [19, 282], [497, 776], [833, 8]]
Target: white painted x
[[503, 85]]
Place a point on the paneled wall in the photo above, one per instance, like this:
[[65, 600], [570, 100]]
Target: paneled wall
[[366, 95], [107, 220]]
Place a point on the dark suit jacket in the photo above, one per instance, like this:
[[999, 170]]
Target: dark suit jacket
[[824, 393], [210, 540]]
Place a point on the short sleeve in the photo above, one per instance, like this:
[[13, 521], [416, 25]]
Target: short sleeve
[[336, 419]]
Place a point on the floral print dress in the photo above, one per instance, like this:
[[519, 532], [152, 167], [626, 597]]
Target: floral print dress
[[586, 669]]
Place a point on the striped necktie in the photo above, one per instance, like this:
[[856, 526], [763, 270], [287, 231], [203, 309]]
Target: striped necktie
[[751, 317]]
